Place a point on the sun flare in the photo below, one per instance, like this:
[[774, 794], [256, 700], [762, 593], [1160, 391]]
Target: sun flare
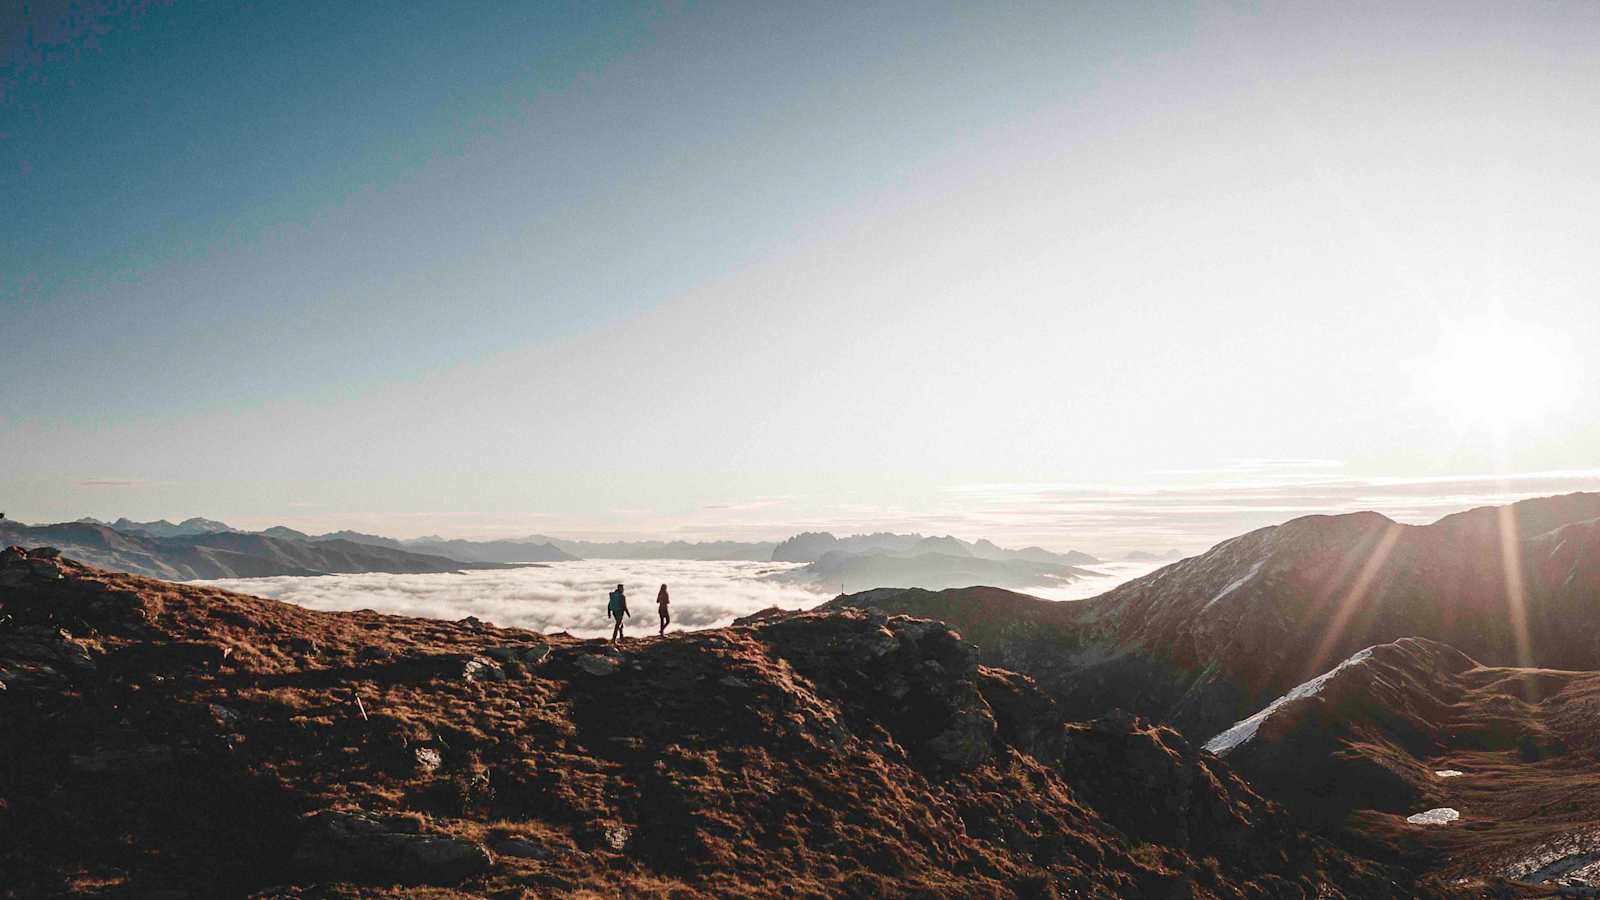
[[1496, 372]]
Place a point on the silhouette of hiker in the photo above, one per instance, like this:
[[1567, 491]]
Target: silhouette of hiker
[[661, 607], [616, 609]]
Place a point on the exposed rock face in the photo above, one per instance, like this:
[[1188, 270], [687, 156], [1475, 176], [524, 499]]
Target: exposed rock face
[[353, 846], [837, 754]]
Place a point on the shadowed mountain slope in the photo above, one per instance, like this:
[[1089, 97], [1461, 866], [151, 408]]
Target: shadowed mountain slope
[[169, 736], [1404, 727]]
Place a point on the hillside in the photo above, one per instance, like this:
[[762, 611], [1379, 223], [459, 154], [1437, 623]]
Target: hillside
[[1405, 727], [1207, 641], [163, 736], [222, 554]]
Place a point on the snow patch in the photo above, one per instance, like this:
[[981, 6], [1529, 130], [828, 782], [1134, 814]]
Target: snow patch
[[1442, 815], [1448, 773], [1235, 585], [1246, 729]]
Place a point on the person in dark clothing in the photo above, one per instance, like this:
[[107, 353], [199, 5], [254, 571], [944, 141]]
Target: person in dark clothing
[[616, 609], [661, 607]]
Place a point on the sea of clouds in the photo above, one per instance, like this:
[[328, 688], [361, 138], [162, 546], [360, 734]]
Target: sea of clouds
[[571, 596], [565, 596]]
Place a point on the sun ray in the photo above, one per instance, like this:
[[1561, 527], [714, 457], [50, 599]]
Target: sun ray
[[1353, 599], [1516, 591]]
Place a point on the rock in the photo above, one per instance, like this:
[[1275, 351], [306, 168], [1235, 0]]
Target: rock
[[43, 568], [598, 665], [172, 656], [470, 620], [481, 669], [428, 760], [522, 848], [358, 846], [45, 553], [881, 643], [374, 653], [40, 656], [616, 837], [225, 715], [137, 758], [531, 655]]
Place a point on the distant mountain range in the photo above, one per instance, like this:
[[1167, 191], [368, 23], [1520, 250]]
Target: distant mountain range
[[185, 556], [206, 548], [752, 551], [919, 561], [931, 571], [1146, 556], [161, 527], [812, 546]]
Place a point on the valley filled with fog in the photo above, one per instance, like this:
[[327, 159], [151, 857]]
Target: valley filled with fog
[[571, 596]]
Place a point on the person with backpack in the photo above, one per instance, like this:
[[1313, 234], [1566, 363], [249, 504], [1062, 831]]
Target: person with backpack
[[661, 607], [616, 609]]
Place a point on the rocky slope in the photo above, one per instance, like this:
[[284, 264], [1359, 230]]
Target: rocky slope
[[1209, 640], [174, 738], [223, 554]]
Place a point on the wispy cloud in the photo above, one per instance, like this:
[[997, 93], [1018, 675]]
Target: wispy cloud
[[1260, 466], [119, 483], [1199, 514], [754, 503]]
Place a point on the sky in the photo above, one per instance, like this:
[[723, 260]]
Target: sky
[[1082, 275]]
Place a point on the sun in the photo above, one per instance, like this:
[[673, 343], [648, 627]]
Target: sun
[[1496, 371]]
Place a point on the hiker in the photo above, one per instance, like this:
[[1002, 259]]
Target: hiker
[[616, 609], [661, 607]]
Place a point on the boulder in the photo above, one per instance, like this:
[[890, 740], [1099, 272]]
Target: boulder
[[480, 669], [599, 665], [428, 760], [362, 847], [529, 655]]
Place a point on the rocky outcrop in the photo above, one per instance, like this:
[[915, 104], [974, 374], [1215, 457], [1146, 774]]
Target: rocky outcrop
[[360, 847]]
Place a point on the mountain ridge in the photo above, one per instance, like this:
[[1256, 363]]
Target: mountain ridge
[[1206, 641], [260, 747]]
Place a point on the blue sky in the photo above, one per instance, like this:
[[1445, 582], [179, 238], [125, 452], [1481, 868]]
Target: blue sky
[[731, 269]]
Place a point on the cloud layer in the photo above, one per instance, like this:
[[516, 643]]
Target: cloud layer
[[571, 596], [562, 597]]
